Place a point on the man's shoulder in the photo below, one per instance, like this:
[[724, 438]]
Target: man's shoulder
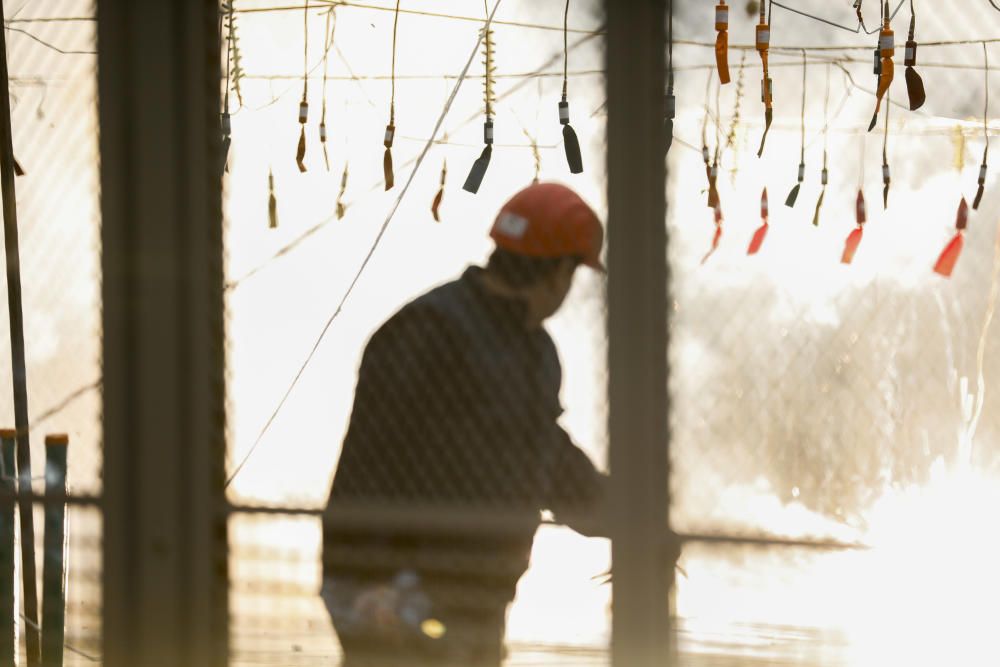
[[437, 310]]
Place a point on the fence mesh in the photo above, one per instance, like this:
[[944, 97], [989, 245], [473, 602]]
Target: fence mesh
[[53, 87], [816, 400], [810, 400], [441, 469]]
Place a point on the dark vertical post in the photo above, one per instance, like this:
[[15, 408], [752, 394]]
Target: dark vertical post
[[53, 570], [642, 556], [20, 373], [164, 574], [8, 615]]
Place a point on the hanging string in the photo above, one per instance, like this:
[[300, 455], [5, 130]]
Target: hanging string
[[794, 194], [713, 196], [715, 202], [886, 178], [706, 155], [331, 28], [824, 175], [763, 42], [300, 151], [390, 129], [986, 132], [914, 84], [272, 202], [570, 141]]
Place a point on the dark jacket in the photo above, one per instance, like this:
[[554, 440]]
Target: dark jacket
[[455, 414]]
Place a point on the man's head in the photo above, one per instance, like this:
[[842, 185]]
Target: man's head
[[542, 234]]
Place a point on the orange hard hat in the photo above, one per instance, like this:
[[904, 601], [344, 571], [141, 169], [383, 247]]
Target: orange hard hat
[[550, 220]]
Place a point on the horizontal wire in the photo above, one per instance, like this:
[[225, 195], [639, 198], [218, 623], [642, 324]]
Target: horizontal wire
[[847, 47], [419, 77], [377, 185], [856, 30], [417, 12], [49, 44]]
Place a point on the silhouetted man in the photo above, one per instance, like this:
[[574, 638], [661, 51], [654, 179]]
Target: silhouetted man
[[454, 448]]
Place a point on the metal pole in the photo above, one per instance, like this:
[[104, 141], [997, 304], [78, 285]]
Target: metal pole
[[164, 541], [17, 355], [8, 616], [53, 565], [642, 558]]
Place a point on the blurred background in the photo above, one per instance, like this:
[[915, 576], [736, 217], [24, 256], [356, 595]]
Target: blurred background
[[811, 402]]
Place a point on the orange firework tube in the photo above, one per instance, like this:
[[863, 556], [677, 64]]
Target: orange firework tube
[[717, 237], [949, 256], [886, 48], [758, 237], [722, 41], [854, 239]]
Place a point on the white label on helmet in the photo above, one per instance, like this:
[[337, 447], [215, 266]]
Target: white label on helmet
[[512, 225]]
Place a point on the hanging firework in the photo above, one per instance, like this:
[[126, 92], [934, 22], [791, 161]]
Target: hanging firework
[[794, 194], [300, 151], [331, 27], [272, 202], [758, 237], [713, 171], [717, 236], [570, 141], [824, 174], [984, 167], [722, 41], [914, 84], [478, 171], [341, 208], [949, 256], [854, 238], [390, 129], [436, 204], [706, 154], [886, 176], [885, 69], [766, 86]]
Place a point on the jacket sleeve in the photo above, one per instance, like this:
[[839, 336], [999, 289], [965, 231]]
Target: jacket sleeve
[[576, 490]]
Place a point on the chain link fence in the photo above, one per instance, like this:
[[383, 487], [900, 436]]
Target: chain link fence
[[811, 401], [51, 50]]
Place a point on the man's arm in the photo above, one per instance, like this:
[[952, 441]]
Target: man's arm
[[576, 490]]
